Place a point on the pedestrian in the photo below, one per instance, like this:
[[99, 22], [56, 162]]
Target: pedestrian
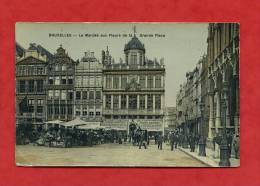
[[172, 140], [142, 140], [192, 142], [159, 141]]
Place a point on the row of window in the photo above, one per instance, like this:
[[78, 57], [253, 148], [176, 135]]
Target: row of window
[[132, 102], [59, 109], [60, 67], [133, 58], [142, 81], [28, 70], [30, 86], [57, 80], [85, 113], [88, 81], [88, 95], [132, 117], [32, 106]]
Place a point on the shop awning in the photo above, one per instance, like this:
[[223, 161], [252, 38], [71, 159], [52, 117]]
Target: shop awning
[[75, 122]]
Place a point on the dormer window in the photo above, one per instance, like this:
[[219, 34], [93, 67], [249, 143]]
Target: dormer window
[[133, 59]]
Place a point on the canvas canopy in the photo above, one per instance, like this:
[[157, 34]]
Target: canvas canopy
[[54, 122], [75, 122]]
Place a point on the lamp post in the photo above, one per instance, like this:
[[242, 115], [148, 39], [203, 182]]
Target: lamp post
[[224, 150], [185, 136], [202, 140]]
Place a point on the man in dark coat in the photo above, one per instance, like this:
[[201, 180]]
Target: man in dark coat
[[192, 142], [172, 140], [160, 141]]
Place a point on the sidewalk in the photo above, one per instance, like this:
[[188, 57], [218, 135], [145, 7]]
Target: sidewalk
[[209, 158]]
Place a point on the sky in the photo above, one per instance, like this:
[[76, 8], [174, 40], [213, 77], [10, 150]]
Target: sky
[[180, 44]]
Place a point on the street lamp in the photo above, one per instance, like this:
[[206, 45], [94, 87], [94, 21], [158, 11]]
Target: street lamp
[[185, 136], [202, 140], [224, 150]]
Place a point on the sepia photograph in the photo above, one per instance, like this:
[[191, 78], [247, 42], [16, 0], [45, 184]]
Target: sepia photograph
[[127, 94]]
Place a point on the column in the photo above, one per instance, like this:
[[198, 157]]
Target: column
[[217, 123], [127, 101], [146, 102], [138, 101], [119, 100], [154, 103], [112, 96], [218, 116], [211, 110], [104, 101]]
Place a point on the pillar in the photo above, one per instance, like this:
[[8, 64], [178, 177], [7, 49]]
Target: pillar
[[211, 110], [138, 101], [218, 115]]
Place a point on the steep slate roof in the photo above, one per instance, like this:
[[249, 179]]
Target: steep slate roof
[[134, 43], [19, 50]]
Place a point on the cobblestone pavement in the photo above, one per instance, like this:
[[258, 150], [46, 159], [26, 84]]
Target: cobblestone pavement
[[104, 155]]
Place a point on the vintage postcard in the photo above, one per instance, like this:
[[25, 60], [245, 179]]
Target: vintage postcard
[[127, 94]]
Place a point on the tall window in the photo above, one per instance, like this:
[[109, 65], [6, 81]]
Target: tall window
[[91, 94], [132, 102], [109, 82], [50, 80], [141, 58], [39, 85], [116, 82], [22, 86], [50, 110], [69, 110], [142, 102], [158, 81], [57, 80], [31, 85], [63, 80], [57, 94], [70, 80], [56, 109], [63, 94], [57, 68], [150, 102], [63, 68], [62, 109], [84, 95], [50, 94], [123, 101], [70, 95], [158, 102], [78, 95], [142, 81], [108, 101], [85, 81], [150, 82], [98, 81], [98, 94], [39, 106], [91, 80], [115, 102], [123, 82], [133, 59], [31, 105]]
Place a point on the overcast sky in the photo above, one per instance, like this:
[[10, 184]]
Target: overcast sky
[[181, 48]]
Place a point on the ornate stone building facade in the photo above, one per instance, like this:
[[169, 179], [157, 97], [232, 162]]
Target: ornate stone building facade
[[133, 89], [223, 77], [31, 65], [60, 86], [188, 101], [88, 88]]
